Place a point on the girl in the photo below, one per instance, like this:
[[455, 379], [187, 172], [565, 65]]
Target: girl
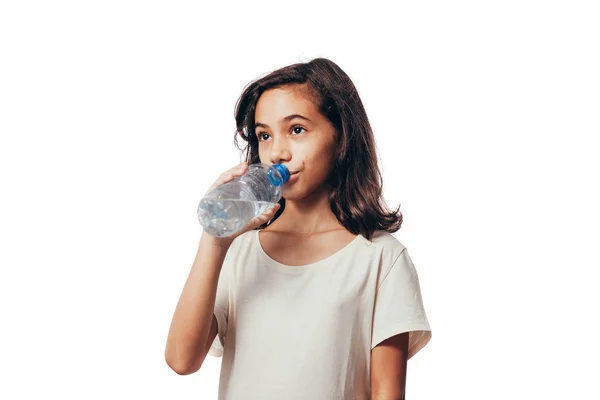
[[314, 299]]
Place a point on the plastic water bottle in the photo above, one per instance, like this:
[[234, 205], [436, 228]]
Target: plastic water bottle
[[227, 209]]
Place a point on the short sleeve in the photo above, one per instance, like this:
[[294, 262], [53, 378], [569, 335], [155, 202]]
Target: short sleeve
[[399, 306], [221, 311]]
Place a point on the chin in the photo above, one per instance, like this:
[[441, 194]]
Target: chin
[[297, 193], [294, 194]]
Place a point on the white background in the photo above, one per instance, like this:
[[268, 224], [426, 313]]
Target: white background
[[116, 116]]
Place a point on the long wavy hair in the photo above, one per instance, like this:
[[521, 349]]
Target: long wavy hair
[[356, 195]]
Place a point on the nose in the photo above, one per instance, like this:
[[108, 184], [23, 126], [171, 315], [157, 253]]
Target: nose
[[279, 152]]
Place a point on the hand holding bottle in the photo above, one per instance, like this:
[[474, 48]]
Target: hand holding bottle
[[266, 215]]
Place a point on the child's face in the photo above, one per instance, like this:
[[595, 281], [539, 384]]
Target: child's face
[[291, 131]]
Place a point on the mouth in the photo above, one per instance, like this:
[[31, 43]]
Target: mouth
[[293, 177]]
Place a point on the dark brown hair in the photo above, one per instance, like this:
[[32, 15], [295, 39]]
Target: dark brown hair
[[356, 195]]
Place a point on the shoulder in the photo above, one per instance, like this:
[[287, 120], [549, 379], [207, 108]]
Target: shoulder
[[388, 249], [386, 242]]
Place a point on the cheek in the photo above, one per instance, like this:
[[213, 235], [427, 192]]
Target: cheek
[[324, 158], [262, 155], [318, 168]]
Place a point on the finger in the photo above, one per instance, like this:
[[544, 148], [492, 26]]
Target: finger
[[261, 219], [269, 214], [266, 215], [224, 178], [236, 171], [240, 168], [274, 208]]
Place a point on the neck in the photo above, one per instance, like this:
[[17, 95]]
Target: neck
[[309, 215]]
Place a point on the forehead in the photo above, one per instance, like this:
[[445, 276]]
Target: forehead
[[283, 101]]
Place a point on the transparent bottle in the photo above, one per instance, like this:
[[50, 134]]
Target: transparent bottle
[[226, 209]]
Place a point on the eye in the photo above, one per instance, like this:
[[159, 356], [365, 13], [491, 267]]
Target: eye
[[296, 129], [260, 136]]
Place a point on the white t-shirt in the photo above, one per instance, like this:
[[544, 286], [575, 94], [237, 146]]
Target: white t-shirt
[[306, 332]]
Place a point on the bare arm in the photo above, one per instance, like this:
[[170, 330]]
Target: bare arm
[[193, 322], [388, 368], [194, 326]]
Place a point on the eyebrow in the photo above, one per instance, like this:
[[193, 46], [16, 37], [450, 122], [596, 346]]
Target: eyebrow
[[285, 119]]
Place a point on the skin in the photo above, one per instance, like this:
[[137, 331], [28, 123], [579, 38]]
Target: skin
[[306, 144], [388, 368], [307, 227]]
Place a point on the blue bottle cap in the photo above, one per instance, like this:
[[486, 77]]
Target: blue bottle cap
[[281, 178]]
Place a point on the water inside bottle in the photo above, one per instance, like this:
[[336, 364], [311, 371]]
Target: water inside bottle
[[224, 217]]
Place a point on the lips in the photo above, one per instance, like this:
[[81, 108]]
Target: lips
[[293, 176]]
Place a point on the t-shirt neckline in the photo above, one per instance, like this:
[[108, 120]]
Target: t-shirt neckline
[[333, 257]]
